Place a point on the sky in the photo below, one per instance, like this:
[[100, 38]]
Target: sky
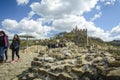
[[45, 18]]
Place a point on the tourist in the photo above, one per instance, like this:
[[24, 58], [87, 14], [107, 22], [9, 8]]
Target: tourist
[[15, 45], [3, 45]]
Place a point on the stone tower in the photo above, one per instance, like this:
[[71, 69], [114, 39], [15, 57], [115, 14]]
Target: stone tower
[[81, 37]]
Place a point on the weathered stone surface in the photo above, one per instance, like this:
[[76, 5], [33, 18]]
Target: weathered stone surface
[[53, 76], [36, 59], [68, 68], [36, 63], [64, 76], [33, 69], [114, 64], [114, 74], [42, 72], [73, 63], [117, 58], [30, 76], [77, 71]]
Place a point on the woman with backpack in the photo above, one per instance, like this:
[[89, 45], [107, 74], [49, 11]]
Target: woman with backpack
[[15, 45], [3, 45]]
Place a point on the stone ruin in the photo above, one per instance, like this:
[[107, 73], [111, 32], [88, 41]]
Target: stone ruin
[[73, 63], [81, 37]]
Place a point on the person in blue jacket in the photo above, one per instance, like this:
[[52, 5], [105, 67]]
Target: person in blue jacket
[[15, 45]]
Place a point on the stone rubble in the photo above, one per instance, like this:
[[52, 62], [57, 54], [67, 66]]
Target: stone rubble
[[73, 63]]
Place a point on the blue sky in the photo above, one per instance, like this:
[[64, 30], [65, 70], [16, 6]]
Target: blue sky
[[110, 16], [44, 18]]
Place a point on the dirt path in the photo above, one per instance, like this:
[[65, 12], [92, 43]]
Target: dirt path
[[9, 71]]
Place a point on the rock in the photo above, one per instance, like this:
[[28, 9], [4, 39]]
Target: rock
[[86, 76], [42, 72], [73, 63], [53, 76], [77, 71], [38, 79], [114, 64], [30, 76], [110, 58], [36, 63], [64, 76], [67, 54], [113, 74], [117, 58], [68, 68], [36, 59], [33, 69], [23, 78], [49, 59]]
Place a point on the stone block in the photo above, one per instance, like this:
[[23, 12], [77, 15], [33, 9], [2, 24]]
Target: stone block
[[114, 64], [64, 76], [36, 63], [77, 71]]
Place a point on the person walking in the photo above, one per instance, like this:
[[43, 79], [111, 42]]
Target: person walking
[[15, 45], [3, 45]]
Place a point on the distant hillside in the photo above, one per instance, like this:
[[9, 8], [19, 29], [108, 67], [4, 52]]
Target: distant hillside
[[115, 43], [96, 41]]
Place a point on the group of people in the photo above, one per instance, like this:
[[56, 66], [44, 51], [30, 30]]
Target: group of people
[[4, 45]]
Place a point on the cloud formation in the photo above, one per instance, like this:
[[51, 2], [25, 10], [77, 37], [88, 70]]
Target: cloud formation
[[61, 8], [21, 2], [27, 26], [108, 2], [60, 15], [96, 16]]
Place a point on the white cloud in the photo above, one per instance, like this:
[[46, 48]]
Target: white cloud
[[9, 24], [67, 24], [30, 14], [96, 16], [60, 8], [20, 2], [115, 32], [109, 2], [63, 15], [28, 26], [98, 7]]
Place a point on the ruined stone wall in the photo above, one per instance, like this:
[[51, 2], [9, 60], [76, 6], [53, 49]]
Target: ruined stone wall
[[81, 37]]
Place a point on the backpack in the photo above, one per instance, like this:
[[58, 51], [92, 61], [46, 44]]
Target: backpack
[[6, 41]]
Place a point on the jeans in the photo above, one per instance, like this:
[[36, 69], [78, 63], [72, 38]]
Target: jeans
[[2, 51], [15, 51]]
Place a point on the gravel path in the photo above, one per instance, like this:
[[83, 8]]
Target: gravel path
[[9, 71]]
